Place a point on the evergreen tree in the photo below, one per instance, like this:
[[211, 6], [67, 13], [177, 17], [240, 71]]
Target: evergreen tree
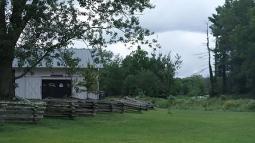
[[233, 26]]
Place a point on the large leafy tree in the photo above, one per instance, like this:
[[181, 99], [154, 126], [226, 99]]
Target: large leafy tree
[[31, 30], [233, 27], [141, 74]]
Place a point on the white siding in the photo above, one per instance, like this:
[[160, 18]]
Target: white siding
[[30, 86], [20, 90], [82, 94], [86, 95], [93, 96]]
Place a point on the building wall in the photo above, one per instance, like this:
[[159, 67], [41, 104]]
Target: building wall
[[30, 86]]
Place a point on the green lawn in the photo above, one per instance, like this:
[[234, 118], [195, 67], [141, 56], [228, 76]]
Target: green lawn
[[149, 127]]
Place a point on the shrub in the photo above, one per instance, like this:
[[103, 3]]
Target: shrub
[[162, 103], [207, 104], [231, 105], [251, 105]]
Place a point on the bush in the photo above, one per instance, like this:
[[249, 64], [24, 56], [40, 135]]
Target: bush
[[251, 105], [145, 82], [207, 104], [161, 103], [231, 105], [212, 104], [158, 102], [192, 86]]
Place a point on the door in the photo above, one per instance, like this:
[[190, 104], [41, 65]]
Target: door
[[56, 88]]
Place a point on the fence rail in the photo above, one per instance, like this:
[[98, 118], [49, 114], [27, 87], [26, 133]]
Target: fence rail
[[33, 111], [77, 107], [19, 111]]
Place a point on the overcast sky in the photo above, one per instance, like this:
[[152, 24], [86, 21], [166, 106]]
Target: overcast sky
[[180, 26]]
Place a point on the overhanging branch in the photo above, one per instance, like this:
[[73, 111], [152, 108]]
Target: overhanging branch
[[50, 49], [28, 69]]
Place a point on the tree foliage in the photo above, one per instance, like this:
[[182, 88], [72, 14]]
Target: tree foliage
[[140, 74], [31, 30], [234, 26], [192, 86], [90, 78]]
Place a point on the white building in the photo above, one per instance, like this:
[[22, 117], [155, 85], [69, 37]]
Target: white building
[[54, 82]]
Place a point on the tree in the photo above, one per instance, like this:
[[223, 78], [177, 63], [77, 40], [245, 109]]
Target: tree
[[137, 61], [192, 86], [111, 77], [212, 92], [144, 83], [90, 78], [140, 74], [233, 27], [31, 30]]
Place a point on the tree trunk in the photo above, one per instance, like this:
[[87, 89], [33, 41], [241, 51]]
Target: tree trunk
[[212, 87], [212, 83], [216, 66], [7, 91], [9, 35], [224, 75]]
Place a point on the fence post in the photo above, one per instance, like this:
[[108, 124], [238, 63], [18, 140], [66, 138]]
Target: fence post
[[111, 107], [72, 110], [93, 108], [3, 114], [140, 108], [122, 107], [34, 109]]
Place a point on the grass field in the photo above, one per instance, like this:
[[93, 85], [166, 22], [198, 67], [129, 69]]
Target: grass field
[[149, 127]]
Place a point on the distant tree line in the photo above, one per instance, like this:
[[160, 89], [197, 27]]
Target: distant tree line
[[139, 74], [195, 85], [234, 28]]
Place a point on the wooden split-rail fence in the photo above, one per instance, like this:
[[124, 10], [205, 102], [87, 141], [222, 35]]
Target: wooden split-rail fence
[[33, 111], [136, 103], [77, 107], [21, 111]]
